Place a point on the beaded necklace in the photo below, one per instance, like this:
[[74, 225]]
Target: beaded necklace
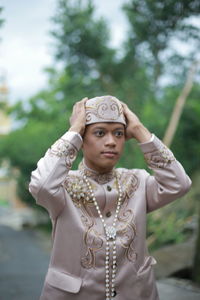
[[110, 233]]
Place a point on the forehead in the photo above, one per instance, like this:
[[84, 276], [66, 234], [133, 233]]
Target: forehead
[[105, 125]]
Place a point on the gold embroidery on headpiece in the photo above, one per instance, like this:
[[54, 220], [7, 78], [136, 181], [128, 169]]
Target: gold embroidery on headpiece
[[102, 111]]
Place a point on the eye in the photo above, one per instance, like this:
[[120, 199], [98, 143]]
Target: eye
[[99, 133], [119, 133]]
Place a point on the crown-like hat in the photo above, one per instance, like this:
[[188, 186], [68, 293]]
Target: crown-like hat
[[104, 109]]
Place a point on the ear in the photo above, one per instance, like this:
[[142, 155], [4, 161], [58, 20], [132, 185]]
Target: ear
[[82, 146]]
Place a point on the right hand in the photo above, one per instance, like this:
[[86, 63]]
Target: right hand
[[77, 119], [135, 129]]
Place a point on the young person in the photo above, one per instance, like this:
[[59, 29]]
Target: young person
[[99, 212]]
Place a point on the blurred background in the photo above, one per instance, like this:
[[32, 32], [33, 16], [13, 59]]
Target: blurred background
[[55, 52]]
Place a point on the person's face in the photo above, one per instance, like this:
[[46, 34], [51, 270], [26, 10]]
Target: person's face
[[103, 145]]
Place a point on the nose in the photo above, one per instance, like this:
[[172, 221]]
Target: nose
[[110, 140]]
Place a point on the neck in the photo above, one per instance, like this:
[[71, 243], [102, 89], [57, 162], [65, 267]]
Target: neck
[[102, 176], [96, 169]]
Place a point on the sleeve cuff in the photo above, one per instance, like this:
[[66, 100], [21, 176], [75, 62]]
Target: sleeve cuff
[[74, 138], [152, 145]]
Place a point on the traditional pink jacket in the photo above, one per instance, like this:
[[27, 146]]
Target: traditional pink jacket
[[77, 265]]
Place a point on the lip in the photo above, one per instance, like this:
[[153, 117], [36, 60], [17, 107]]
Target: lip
[[109, 154]]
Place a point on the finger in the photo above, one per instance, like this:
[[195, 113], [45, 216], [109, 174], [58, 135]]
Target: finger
[[125, 107], [84, 100], [123, 104], [81, 103]]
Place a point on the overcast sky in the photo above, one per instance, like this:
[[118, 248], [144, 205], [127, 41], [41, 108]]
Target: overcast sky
[[25, 43]]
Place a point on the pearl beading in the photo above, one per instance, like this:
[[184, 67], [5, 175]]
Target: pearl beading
[[110, 232]]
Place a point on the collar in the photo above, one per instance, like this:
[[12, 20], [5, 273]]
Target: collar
[[100, 178]]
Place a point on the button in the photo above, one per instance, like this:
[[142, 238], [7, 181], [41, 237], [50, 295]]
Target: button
[[109, 188], [108, 214], [115, 265]]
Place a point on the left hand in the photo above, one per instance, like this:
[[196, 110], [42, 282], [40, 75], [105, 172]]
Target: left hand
[[135, 129]]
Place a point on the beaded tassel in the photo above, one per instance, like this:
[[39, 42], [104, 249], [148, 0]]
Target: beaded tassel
[[110, 232]]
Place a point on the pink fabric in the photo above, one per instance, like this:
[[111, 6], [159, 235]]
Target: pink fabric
[[77, 265]]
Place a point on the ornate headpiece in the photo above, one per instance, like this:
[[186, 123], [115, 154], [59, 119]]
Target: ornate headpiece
[[104, 109]]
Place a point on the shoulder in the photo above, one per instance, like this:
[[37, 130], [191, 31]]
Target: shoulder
[[133, 173], [73, 176], [131, 179]]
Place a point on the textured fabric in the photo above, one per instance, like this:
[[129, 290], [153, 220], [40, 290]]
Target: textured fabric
[[104, 109], [77, 264]]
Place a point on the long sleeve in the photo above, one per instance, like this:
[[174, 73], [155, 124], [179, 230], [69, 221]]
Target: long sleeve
[[169, 180], [46, 180]]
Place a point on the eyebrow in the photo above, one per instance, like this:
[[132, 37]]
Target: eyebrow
[[100, 127]]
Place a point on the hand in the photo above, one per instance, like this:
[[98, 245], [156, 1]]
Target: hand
[[77, 119], [135, 129]]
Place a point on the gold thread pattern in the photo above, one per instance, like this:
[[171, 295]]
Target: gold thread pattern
[[77, 190], [63, 148], [127, 227], [92, 238], [104, 108], [159, 158], [92, 241], [100, 178]]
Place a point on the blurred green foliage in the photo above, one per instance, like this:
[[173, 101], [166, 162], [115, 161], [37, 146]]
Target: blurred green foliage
[[1, 20], [147, 72], [171, 224], [3, 202]]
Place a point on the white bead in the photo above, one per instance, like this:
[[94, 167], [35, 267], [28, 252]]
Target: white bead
[[110, 234]]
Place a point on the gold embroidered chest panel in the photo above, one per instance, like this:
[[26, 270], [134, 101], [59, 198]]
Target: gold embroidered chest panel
[[94, 237]]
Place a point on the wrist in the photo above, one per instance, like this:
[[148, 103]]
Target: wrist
[[141, 133], [77, 129]]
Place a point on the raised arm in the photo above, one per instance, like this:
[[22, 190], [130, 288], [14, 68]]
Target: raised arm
[[52, 169], [169, 180]]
